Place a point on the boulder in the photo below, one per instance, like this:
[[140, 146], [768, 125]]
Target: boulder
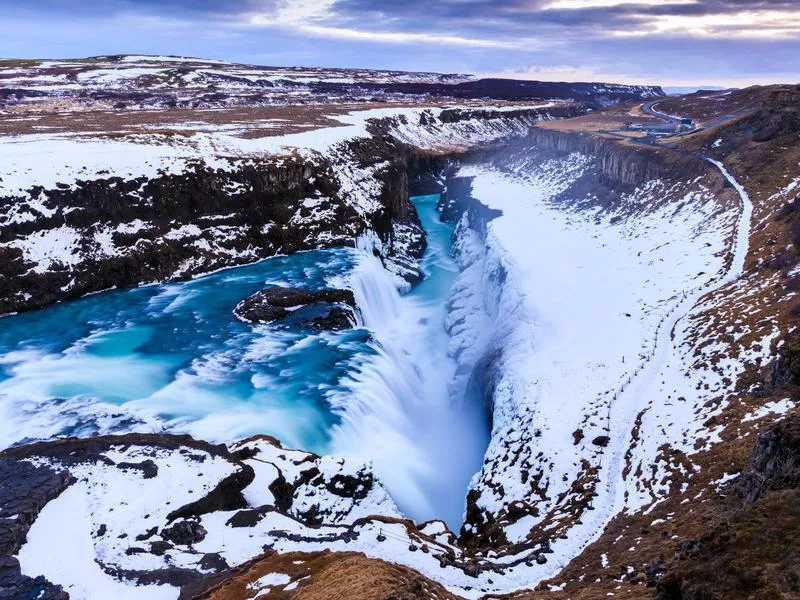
[[331, 309], [184, 533], [775, 462]]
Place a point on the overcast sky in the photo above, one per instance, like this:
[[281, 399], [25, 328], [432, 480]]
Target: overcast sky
[[667, 42]]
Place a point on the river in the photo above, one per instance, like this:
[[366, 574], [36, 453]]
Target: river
[[172, 357]]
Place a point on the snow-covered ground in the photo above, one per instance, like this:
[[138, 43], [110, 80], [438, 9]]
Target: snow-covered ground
[[585, 305], [578, 313], [578, 308]]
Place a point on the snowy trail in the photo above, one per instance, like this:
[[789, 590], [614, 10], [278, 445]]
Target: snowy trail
[[742, 243], [626, 403]]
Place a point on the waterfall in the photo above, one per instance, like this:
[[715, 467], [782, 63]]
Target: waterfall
[[378, 300], [396, 408]]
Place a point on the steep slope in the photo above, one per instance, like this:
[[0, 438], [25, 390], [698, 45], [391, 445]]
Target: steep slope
[[579, 335], [739, 340]]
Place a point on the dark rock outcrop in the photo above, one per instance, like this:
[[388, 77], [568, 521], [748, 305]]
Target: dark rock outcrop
[[24, 491], [184, 533], [248, 213], [148, 468], [349, 486], [14, 586], [775, 464], [227, 495], [326, 309]]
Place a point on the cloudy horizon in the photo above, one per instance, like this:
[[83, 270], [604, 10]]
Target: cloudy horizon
[[727, 43]]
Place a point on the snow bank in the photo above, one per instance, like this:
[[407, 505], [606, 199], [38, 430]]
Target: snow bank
[[583, 302]]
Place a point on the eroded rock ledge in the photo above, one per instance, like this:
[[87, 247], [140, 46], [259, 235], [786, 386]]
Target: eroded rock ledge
[[109, 230], [326, 309], [177, 488]]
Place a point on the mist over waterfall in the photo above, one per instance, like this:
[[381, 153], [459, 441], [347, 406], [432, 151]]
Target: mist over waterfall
[[397, 407]]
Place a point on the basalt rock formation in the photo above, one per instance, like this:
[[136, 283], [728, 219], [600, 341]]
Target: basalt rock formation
[[325, 309], [621, 166], [180, 225], [24, 491]]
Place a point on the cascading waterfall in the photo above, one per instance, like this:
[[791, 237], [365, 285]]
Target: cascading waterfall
[[172, 357], [396, 408]]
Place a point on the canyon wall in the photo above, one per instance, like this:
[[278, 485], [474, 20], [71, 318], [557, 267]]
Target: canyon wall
[[86, 233], [548, 471]]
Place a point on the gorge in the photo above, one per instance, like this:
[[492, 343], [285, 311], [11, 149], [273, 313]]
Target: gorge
[[555, 329], [171, 358]]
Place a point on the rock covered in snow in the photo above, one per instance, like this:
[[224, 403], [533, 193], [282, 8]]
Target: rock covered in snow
[[163, 511], [329, 309]]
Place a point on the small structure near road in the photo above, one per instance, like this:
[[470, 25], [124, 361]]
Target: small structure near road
[[653, 128]]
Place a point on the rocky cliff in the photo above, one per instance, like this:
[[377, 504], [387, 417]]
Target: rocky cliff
[[619, 165], [93, 231]]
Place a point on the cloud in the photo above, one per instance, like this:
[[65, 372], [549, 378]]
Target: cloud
[[479, 23], [584, 4], [764, 24], [717, 41], [318, 18], [298, 12]]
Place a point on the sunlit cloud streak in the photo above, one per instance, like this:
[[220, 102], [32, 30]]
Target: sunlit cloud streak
[[648, 41]]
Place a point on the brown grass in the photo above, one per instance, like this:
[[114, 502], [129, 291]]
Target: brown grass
[[326, 576], [66, 117], [610, 119]]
